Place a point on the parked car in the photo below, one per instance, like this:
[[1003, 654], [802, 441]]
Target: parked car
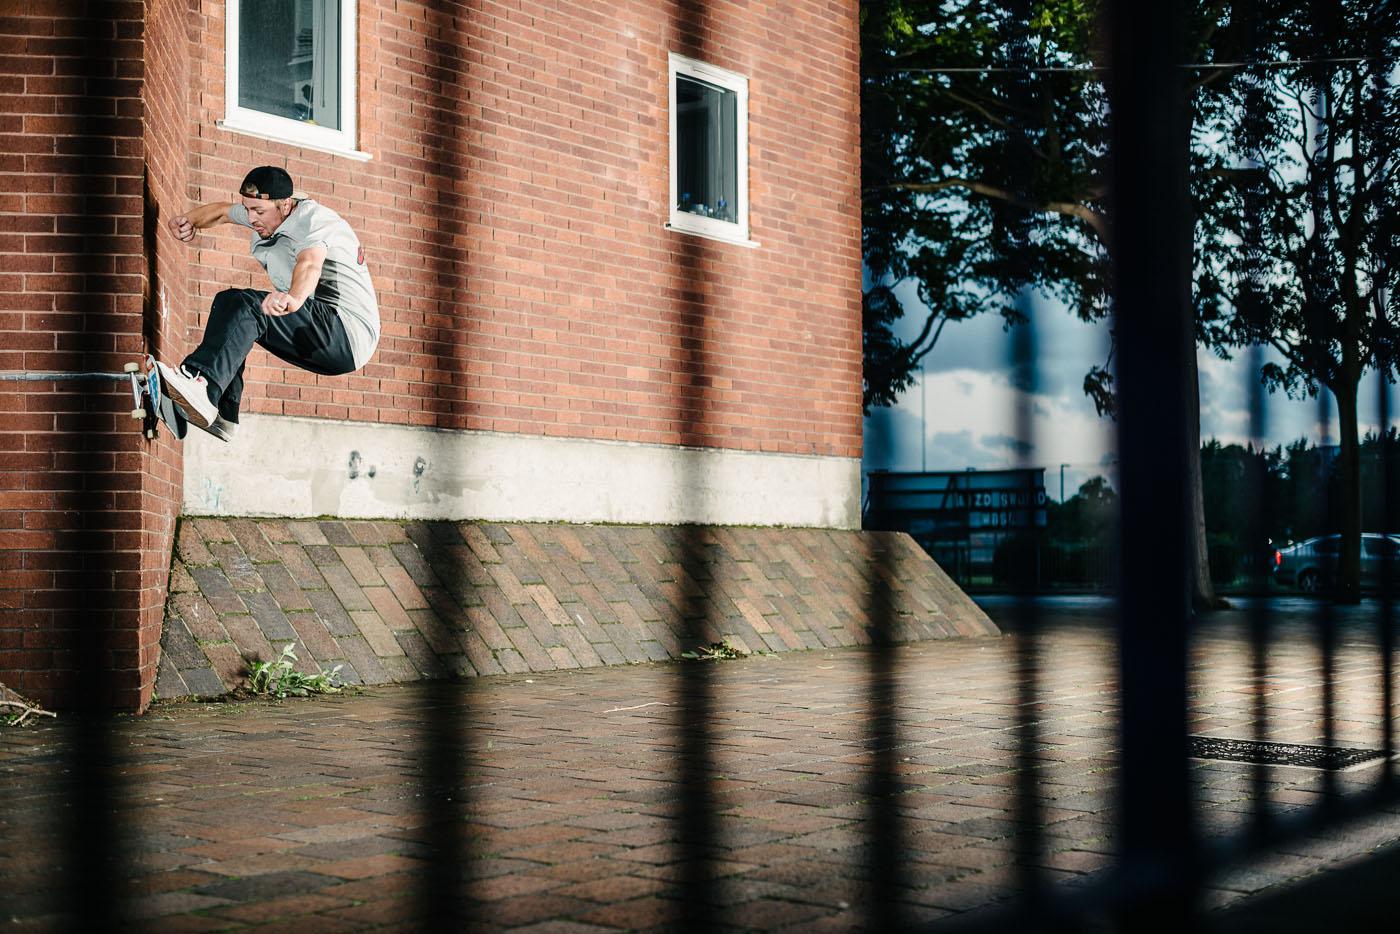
[[1311, 565]]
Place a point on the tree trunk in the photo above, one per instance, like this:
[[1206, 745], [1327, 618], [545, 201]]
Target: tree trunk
[[1203, 595], [1348, 584]]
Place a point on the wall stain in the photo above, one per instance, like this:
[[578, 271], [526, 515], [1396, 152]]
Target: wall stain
[[213, 493]]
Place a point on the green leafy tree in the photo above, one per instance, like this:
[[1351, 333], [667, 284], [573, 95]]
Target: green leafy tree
[[946, 184], [1242, 488], [1089, 516], [965, 137], [1302, 162], [1380, 481]]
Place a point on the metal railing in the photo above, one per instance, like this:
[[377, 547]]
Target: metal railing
[[1161, 862]]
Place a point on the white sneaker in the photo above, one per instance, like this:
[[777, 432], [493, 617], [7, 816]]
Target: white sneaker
[[222, 428], [191, 393]]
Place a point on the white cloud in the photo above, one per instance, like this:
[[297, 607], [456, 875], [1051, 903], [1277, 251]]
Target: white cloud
[[969, 420], [1225, 390], [969, 417]]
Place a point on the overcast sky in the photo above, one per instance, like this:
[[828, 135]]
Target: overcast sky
[[965, 404]]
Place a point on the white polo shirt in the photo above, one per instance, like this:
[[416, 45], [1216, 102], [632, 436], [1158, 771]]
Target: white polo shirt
[[344, 282]]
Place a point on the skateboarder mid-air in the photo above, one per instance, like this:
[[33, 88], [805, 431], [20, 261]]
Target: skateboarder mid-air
[[323, 316]]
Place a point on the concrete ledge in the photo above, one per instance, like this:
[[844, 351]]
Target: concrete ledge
[[400, 601], [304, 467]]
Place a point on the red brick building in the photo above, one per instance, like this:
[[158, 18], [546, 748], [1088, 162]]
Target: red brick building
[[569, 331]]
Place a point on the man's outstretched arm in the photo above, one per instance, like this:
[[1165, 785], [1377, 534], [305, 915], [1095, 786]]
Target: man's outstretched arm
[[305, 275], [206, 215]]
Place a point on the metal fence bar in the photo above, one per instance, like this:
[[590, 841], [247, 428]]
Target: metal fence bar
[[1029, 843], [886, 869], [698, 827], [1382, 84], [1325, 618], [93, 849], [1030, 816], [1385, 609], [447, 745], [1149, 143], [443, 733], [1260, 616], [697, 834]]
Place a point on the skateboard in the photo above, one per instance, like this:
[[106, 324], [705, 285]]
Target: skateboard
[[152, 405]]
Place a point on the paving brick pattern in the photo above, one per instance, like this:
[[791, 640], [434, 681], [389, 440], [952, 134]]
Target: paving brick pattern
[[403, 601], [562, 799]]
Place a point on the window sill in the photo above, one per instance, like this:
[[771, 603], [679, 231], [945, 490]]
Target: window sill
[[735, 241], [234, 126]]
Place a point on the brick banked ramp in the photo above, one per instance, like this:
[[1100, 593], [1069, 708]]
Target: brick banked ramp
[[401, 601]]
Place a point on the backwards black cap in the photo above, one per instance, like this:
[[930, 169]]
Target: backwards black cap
[[267, 182]]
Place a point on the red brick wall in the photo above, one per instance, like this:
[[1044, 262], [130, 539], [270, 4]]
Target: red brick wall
[[86, 505], [513, 211], [513, 215]]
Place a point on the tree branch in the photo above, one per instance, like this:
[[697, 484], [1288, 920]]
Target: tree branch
[[1246, 176], [943, 319], [1095, 219], [974, 105], [26, 711], [1289, 353], [987, 115], [1334, 198]]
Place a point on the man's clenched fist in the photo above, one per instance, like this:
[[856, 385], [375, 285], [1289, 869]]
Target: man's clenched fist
[[182, 227]]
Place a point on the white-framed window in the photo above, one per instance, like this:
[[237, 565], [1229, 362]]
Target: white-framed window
[[290, 72], [709, 150]]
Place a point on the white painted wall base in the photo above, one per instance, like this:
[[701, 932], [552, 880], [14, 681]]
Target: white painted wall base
[[296, 467]]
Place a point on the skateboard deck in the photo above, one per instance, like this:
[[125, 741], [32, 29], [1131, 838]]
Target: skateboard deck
[[152, 405]]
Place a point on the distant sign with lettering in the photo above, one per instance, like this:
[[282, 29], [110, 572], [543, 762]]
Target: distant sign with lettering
[[962, 517], [956, 503]]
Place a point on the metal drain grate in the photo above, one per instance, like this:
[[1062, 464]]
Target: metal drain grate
[[1335, 758]]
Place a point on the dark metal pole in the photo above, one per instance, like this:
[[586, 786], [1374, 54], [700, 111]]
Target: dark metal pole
[[1151, 248], [1325, 615], [1030, 836], [92, 876], [698, 831], [1260, 567], [1382, 56], [445, 741], [886, 867], [1385, 614]]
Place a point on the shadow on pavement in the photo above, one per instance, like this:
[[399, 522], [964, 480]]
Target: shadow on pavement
[[1359, 896]]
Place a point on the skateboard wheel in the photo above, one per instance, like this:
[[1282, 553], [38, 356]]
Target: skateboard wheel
[[138, 413], [132, 368]]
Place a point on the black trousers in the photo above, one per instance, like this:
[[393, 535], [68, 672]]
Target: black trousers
[[312, 337]]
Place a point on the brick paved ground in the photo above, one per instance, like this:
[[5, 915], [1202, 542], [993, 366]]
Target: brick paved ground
[[314, 815]]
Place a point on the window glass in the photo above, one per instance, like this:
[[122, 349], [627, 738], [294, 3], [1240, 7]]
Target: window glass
[[1328, 546], [289, 59], [707, 154], [1379, 546]]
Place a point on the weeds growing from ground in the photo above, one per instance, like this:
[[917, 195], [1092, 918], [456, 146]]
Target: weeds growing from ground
[[714, 652], [279, 678]]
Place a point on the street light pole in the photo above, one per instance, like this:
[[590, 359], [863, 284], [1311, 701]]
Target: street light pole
[[923, 416], [1062, 483]]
